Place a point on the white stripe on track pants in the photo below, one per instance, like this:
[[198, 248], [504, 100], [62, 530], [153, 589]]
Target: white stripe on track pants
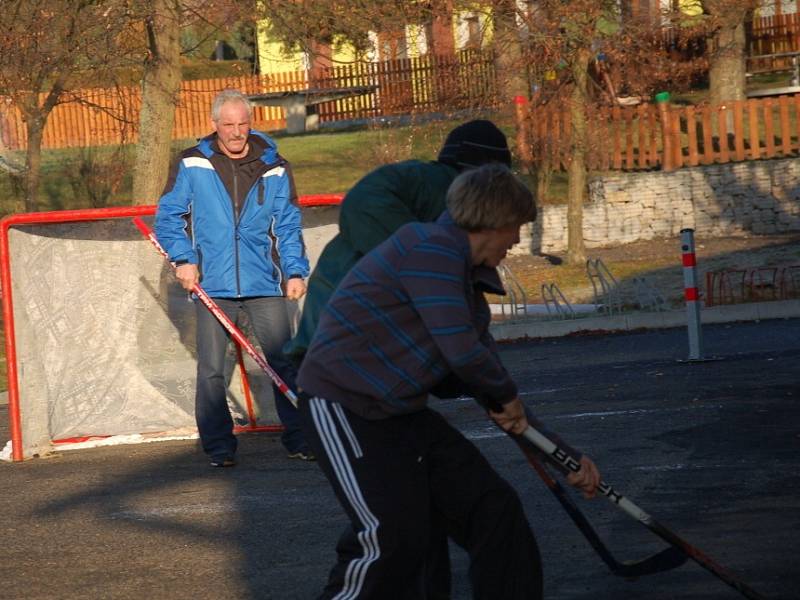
[[391, 477]]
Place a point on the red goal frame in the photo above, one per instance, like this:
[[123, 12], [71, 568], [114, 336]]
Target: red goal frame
[[96, 214]]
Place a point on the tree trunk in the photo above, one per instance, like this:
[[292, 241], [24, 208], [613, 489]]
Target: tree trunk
[[576, 189], [512, 80], [511, 76], [33, 158], [727, 71], [35, 119], [162, 80]]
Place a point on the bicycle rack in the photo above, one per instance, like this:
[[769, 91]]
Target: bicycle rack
[[647, 296], [789, 285], [733, 286], [555, 302], [607, 296], [518, 303], [763, 283]]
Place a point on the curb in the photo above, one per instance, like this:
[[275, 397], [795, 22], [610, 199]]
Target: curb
[[635, 321], [539, 328]]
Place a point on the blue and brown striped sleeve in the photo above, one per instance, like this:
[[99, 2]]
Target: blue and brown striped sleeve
[[434, 273]]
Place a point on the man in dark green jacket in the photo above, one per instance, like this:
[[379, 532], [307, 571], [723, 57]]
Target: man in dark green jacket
[[384, 200]]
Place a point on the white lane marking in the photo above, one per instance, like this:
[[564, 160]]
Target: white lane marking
[[636, 411], [239, 504], [488, 431]]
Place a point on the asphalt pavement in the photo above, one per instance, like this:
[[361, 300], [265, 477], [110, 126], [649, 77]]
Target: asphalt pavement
[[711, 449]]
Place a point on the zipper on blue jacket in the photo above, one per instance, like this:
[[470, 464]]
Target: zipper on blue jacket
[[236, 258], [236, 208], [261, 198], [237, 220], [238, 211]]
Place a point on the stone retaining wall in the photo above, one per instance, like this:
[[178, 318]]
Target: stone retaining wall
[[760, 197]]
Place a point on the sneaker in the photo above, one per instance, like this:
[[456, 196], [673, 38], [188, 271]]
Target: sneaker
[[303, 455], [223, 461]]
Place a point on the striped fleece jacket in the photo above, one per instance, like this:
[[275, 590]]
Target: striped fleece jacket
[[410, 318]]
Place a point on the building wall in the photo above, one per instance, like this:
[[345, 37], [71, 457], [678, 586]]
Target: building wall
[[447, 33], [770, 8], [273, 58], [755, 197]]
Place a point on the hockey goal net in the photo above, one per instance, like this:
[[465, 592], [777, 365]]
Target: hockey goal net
[[99, 336]]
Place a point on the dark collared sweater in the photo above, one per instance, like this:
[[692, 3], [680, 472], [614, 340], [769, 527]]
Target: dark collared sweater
[[408, 317]]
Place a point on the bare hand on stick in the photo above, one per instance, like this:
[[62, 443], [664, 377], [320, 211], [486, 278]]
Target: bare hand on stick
[[188, 275]]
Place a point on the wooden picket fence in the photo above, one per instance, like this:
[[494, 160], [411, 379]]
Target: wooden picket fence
[[633, 138], [95, 117], [774, 35]]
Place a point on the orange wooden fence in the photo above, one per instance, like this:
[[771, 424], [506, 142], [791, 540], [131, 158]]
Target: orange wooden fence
[[768, 36], [632, 138], [94, 117], [774, 35]]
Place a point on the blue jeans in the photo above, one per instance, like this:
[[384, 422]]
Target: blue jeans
[[270, 321]]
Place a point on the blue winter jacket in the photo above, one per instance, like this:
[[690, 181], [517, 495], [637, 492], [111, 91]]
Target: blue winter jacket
[[242, 250]]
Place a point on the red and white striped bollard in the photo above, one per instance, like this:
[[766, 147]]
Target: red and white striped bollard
[[691, 294]]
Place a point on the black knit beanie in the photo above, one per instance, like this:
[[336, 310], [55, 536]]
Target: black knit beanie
[[473, 144]]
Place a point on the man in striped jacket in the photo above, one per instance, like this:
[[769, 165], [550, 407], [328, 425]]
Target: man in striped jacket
[[410, 319]]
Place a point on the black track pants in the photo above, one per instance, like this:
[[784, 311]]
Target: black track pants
[[392, 476]]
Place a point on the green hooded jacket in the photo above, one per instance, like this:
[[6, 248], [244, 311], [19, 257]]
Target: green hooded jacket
[[381, 202]]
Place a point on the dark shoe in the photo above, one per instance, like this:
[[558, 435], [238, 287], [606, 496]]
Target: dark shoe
[[223, 461], [303, 455]]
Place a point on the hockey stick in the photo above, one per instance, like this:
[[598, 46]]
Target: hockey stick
[[229, 325], [560, 457], [667, 559]]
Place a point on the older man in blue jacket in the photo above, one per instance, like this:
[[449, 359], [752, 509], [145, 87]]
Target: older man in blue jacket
[[228, 219]]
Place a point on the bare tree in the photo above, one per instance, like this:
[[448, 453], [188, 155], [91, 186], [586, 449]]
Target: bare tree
[[163, 21], [596, 51], [511, 68], [727, 48], [160, 86], [49, 48], [568, 33]]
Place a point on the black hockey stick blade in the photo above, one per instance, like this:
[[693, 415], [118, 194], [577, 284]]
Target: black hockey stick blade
[[668, 559], [560, 457]]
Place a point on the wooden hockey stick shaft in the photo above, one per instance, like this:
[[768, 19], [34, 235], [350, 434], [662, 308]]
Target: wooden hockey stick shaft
[[229, 325]]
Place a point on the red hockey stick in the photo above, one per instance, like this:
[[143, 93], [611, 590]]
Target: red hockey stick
[[229, 325]]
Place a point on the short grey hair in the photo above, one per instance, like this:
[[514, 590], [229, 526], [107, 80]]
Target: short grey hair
[[226, 96], [490, 197]]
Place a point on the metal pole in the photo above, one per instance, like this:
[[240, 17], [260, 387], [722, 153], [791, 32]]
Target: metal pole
[[691, 295]]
